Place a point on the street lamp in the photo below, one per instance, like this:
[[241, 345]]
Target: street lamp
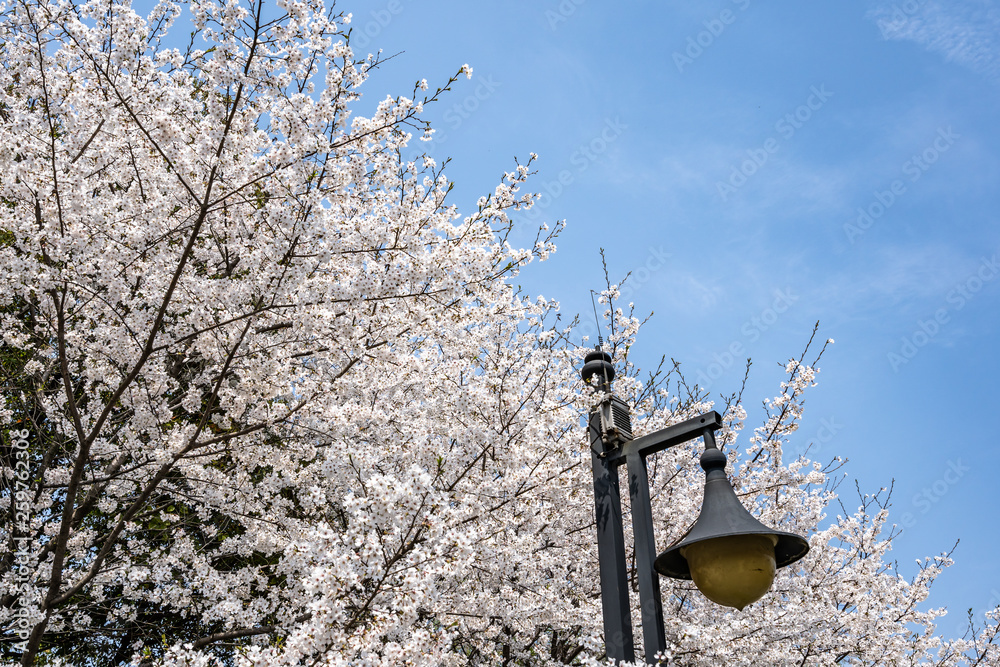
[[729, 554]]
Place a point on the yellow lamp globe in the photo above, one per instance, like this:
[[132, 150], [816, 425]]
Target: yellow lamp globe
[[732, 571]]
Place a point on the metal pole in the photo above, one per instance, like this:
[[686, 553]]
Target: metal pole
[[650, 605], [618, 638]]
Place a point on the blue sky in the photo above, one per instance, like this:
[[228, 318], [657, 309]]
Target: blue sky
[[759, 167]]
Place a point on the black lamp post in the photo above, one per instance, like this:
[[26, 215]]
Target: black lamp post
[[729, 554]]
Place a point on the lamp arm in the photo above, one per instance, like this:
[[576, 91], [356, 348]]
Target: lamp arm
[[671, 436]]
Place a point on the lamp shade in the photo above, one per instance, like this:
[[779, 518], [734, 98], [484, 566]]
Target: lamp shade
[[728, 553]]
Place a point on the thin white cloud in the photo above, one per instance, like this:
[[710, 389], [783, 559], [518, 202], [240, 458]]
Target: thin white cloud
[[909, 280], [966, 32]]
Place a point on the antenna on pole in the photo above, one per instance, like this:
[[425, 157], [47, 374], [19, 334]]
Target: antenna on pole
[[600, 339]]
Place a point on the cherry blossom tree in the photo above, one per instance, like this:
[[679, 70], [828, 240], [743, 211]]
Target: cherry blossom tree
[[283, 404]]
